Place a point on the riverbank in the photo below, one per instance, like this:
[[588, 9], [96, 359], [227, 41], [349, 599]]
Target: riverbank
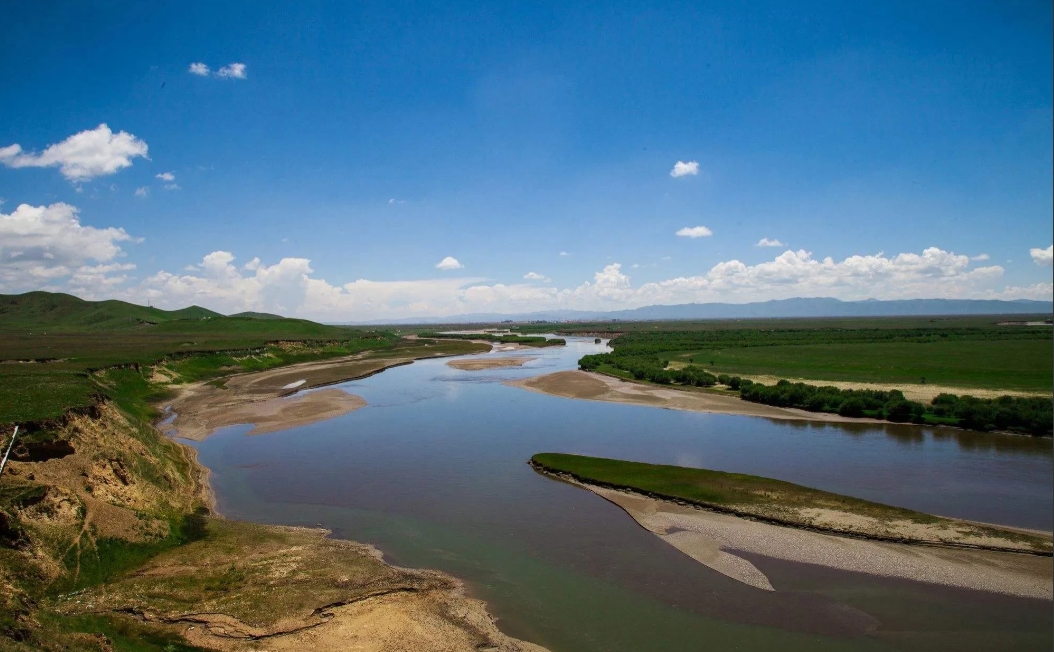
[[273, 400], [290, 588], [600, 387], [713, 537]]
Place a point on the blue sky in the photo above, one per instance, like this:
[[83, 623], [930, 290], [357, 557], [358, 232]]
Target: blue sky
[[892, 149]]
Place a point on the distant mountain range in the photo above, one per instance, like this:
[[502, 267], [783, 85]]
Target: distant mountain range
[[802, 307], [49, 309]]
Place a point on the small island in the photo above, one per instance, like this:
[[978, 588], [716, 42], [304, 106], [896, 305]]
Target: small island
[[706, 513]]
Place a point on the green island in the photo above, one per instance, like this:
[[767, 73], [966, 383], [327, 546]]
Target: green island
[[784, 503], [107, 540], [945, 362]]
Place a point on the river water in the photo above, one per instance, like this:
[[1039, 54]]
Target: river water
[[434, 473]]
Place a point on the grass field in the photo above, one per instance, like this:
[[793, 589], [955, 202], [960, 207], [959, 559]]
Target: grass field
[[967, 352], [999, 364]]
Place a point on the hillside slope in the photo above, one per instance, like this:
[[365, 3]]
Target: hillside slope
[[56, 311]]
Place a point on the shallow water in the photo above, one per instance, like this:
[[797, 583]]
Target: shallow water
[[433, 471]]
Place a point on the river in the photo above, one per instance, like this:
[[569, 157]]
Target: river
[[434, 473]]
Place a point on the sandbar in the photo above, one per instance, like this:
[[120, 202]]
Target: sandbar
[[479, 364], [712, 539], [599, 387]]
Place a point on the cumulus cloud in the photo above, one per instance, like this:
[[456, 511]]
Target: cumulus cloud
[[684, 169], [142, 191], [1044, 257], [767, 242], [564, 253], [980, 257], [41, 246], [166, 176], [449, 263], [535, 276], [232, 71], [47, 247], [83, 156], [694, 232]]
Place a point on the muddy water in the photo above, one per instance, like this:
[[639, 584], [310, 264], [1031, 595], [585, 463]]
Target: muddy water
[[433, 471]]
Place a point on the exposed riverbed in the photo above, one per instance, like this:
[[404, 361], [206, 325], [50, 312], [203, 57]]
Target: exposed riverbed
[[433, 472]]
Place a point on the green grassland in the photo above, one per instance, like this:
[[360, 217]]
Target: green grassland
[[59, 352], [955, 352], [995, 364]]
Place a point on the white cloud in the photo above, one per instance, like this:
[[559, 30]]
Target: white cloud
[[83, 156], [684, 169], [393, 201], [767, 242], [980, 257], [232, 71], [535, 276], [142, 191], [564, 253], [1044, 257], [166, 176], [43, 245], [449, 263], [172, 186], [695, 232]]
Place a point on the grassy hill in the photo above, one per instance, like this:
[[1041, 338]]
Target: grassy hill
[[256, 315], [56, 311], [51, 345]]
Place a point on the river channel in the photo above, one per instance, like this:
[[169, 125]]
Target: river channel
[[434, 473]]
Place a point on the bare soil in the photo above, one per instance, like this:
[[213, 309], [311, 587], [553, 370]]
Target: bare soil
[[251, 587]]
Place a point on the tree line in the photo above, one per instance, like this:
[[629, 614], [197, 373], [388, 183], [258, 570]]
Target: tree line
[[1028, 415], [651, 369]]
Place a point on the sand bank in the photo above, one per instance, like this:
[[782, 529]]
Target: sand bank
[[598, 387], [712, 539], [480, 364], [263, 398]]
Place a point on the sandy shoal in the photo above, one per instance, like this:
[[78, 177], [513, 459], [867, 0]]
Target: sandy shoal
[[712, 539], [480, 364], [598, 387], [272, 400]]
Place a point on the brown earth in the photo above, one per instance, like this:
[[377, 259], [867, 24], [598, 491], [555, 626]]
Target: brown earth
[[247, 586], [598, 387], [479, 364]]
